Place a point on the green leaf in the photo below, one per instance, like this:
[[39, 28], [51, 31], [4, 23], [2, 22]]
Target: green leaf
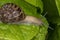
[[51, 9], [42, 34], [23, 31], [42, 30], [56, 20], [58, 5], [17, 32], [55, 33], [36, 3]]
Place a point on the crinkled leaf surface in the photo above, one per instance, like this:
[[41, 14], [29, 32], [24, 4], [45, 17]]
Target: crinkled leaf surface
[[42, 30], [36, 3], [17, 32], [23, 31]]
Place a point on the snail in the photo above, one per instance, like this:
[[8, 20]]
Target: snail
[[11, 13]]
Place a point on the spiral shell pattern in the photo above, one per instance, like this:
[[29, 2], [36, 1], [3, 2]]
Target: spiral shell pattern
[[10, 12]]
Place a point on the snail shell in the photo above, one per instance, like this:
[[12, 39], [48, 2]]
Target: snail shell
[[10, 13]]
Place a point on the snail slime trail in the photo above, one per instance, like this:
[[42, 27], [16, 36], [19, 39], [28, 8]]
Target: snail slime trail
[[10, 13]]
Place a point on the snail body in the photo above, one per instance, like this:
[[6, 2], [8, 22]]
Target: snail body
[[32, 20]]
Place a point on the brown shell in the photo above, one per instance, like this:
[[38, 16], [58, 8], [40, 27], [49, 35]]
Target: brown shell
[[11, 13]]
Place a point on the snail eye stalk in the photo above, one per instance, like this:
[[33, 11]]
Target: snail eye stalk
[[10, 13]]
